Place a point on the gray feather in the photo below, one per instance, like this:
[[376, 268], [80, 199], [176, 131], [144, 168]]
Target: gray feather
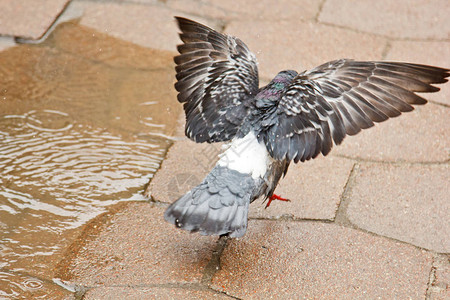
[[215, 72], [219, 205], [336, 99]]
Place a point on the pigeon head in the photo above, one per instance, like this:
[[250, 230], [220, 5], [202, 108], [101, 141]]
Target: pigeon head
[[285, 76], [283, 79]]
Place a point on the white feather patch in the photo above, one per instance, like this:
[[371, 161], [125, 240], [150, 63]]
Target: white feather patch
[[247, 156]]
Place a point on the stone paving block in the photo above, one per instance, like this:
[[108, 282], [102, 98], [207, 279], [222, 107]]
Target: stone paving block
[[186, 165], [179, 135], [88, 43], [281, 45], [419, 19], [429, 53], [417, 136], [146, 25], [408, 203], [312, 260], [203, 8], [141, 1], [139, 293], [258, 9], [314, 188], [6, 42], [19, 18], [139, 248]]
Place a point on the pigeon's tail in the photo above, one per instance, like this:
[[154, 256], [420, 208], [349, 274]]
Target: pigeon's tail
[[217, 206]]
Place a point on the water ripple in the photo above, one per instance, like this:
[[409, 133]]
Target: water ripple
[[17, 286], [92, 158], [58, 176], [78, 133]]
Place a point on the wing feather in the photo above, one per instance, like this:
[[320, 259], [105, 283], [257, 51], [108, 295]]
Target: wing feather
[[217, 76], [340, 98]]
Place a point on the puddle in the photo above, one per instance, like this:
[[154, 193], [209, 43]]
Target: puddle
[[85, 120], [18, 286]]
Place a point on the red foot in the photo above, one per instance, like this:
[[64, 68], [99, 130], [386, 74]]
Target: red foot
[[275, 197]]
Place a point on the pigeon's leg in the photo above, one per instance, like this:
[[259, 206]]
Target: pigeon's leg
[[275, 197]]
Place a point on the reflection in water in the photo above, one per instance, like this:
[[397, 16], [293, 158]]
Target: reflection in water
[[80, 130]]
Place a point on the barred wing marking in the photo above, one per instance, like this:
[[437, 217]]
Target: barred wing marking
[[217, 75], [341, 97]]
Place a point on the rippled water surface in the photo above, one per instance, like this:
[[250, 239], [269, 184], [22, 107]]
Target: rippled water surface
[[85, 121]]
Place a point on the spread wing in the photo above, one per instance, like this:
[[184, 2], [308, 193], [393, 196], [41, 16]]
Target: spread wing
[[217, 75], [339, 98]]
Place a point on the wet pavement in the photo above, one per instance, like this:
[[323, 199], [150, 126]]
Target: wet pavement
[[85, 123], [369, 221]]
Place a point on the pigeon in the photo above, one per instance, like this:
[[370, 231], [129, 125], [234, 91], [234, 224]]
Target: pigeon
[[295, 117]]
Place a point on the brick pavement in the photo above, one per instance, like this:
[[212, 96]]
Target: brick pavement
[[20, 19], [369, 221]]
